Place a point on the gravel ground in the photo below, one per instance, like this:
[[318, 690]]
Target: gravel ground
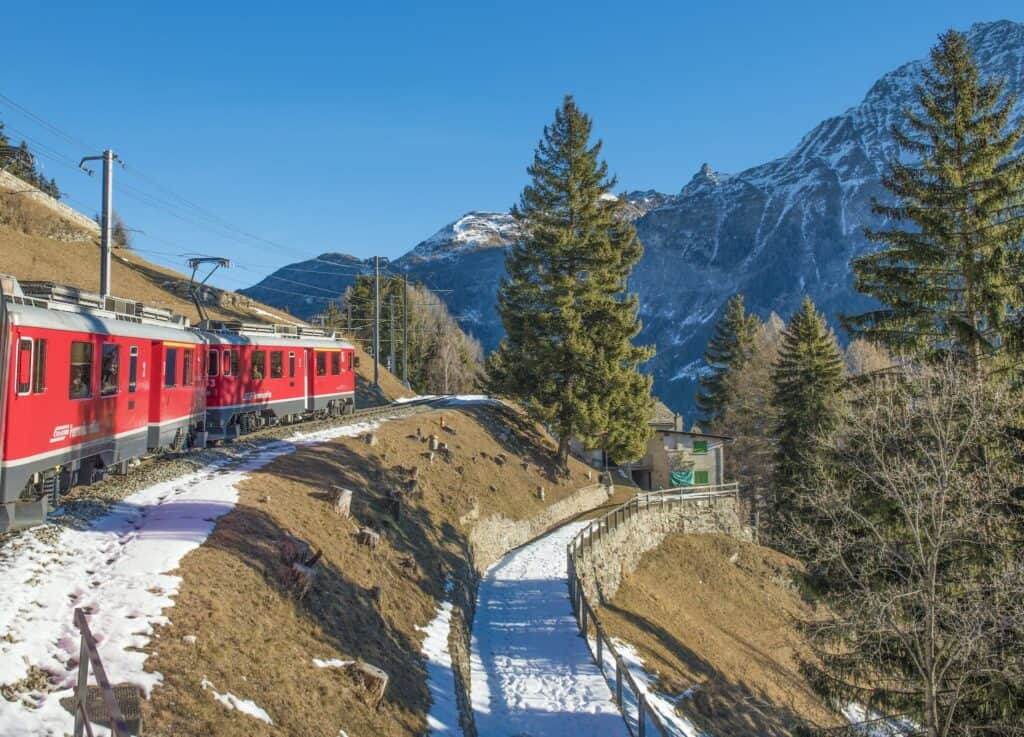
[[84, 503]]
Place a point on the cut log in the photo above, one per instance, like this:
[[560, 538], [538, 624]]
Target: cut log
[[368, 537], [293, 550], [370, 679]]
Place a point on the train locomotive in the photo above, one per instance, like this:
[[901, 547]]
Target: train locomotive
[[87, 384]]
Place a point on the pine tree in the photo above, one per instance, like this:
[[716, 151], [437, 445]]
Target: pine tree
[[948, 276], [569, 321], [727, 351], [806, 381]]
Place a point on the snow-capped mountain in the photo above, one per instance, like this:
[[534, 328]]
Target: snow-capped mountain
[[471, 232], [773, 232]]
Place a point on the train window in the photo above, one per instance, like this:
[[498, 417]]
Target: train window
[[348, 361], [335, 363], [24, 365], [228, 363], [171, 367], [81, 370], [234, 361], [109, 368], [186, 367], [213, 362], [133, 367], [259, 365], [276, 364], [39, 367], [321, 364], [291, 364]]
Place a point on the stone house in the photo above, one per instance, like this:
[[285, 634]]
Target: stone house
[[674, 456]]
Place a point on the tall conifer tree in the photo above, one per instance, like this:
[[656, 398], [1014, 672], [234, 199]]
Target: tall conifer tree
[[569, 321], [727, 352], [807, 378], [950, 270]]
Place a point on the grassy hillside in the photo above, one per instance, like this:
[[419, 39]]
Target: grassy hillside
[[254, 639], [713, 612], [36, 245]]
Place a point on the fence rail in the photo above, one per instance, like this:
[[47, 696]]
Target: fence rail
[[626, 688], [90, 654]]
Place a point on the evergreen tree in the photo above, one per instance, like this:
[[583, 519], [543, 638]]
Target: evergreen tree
[[727, 351], [807, 377], [949, 274], [568, 355]]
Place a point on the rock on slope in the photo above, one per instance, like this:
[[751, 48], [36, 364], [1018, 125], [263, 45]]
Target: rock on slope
[[773, 232]]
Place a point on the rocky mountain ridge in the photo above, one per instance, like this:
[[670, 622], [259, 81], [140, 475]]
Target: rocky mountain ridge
[[772, 232]]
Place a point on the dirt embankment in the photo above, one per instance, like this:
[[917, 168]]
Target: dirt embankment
[[714, 612], [236, 624]]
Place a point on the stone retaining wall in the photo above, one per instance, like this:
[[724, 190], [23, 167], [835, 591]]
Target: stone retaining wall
[[616, 553], [11, 183], [492, 537]]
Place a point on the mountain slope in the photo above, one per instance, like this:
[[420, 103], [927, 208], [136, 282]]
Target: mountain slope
[[772, 232]]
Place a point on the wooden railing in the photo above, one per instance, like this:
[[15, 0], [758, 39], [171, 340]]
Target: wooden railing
[[89, 654], [626, 687]]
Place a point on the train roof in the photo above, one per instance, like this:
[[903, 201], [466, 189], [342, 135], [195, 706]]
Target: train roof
[[58, 307], [244, 333]]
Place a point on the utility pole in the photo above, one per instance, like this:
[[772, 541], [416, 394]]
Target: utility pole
[[405, 331], [392, 367], [376, 321], [108, 157]]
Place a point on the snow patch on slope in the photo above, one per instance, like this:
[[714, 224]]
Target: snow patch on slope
[[234, 703], [444, 710]]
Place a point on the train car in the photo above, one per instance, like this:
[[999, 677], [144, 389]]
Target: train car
[[85, 388], [261, 375]]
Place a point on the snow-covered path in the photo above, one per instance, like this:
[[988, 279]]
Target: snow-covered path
[[121, 570], [532, 674]]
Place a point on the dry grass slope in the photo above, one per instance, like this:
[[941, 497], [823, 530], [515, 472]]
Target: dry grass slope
[[721, 613], [255, 640]]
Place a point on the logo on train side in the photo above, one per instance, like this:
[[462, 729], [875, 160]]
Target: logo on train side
[[64, 432], [250, 396]]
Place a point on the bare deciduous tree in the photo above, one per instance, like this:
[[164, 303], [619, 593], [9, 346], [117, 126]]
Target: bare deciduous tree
[[914, 542]]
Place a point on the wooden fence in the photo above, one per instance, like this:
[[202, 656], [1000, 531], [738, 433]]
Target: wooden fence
[[111, 710], [626, 688]]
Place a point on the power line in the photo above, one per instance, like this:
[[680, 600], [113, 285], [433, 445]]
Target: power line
[[46, 124]]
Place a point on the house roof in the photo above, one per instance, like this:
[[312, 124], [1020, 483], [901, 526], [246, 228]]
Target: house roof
[[728, 438], [662, 414]]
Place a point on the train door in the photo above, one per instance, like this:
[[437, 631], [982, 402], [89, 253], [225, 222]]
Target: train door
[[309, 366]]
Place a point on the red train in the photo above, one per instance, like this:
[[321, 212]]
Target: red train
[[87, 384]]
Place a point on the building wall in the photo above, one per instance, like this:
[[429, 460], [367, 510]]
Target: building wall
[[674, 452]]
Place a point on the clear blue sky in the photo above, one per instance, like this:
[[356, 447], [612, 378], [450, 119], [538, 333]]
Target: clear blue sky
[[329, 127]]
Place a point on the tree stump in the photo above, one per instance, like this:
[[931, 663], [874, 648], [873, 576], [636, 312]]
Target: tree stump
[[371, 439], [433, 442], [369, 538], [341, 501], [370, 679], [540, 493]]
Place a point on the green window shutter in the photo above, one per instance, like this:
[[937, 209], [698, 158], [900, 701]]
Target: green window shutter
[[700, 447], [700, 478]]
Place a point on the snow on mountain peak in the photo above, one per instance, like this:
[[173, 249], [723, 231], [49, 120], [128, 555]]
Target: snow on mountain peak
[[473, 231]]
